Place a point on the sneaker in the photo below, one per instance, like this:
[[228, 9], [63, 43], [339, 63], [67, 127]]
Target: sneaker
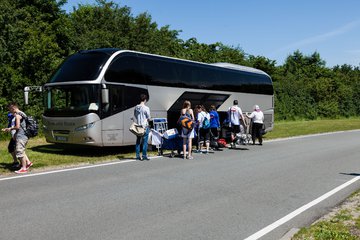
[[29, 165], [146, 158], [190, 157], [138, 158], [21, 171]]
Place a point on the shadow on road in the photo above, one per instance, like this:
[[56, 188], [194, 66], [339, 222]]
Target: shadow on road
[[351, 174], [79, 150]]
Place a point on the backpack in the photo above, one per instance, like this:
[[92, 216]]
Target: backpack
[[221, 143], [186, 122], [32, 127], [205, 123]]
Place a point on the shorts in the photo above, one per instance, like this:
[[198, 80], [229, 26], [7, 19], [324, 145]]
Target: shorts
[[20, 147], [204, 135], [186, 133], [235, 129], [12, 145]]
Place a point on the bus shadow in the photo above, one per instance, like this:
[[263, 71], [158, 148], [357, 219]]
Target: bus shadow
[[84, 151]]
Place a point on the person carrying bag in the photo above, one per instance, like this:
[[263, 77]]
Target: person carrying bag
[[140, 127]]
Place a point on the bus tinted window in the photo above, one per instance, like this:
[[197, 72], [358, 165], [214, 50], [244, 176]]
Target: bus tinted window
[[123, 97], [125, 69], [80, 67], [159, 71]]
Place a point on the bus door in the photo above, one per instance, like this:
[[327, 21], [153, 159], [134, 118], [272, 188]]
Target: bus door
[[118, 114]]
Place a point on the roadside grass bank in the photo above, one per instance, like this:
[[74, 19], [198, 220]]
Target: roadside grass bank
[[45, 155], [342, 223], [284, 129]]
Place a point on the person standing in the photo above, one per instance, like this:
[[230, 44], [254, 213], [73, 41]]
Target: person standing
[[214, 122], [20, 137], [257, 117], [142, 117], [12, 143], [235, 115], [187, 134], [204, 131]]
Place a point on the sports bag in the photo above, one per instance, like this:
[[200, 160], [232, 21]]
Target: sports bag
[[186, 122], [137, 129]]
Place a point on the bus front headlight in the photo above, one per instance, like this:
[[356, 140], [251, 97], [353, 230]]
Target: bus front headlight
[[84, 127]]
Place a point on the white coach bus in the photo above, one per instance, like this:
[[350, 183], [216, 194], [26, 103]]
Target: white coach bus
[[90, 99]]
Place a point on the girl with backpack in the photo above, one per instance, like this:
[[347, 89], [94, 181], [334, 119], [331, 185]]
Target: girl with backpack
[[187, 134], [203, 118]]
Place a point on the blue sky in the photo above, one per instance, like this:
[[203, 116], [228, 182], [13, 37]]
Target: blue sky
[[273, 29]]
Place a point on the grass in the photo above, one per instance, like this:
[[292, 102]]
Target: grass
[[343, 223], [51, 155], [285, 129], [45, 154]]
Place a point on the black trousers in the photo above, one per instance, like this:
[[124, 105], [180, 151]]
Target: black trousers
[[256, 132]]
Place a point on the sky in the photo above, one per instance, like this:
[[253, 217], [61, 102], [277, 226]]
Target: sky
[[273, 29]]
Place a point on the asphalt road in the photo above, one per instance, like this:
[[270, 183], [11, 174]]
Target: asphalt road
[[231, 194]]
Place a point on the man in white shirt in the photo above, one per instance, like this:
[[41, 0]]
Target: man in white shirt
[[142, 116], [235, 115]]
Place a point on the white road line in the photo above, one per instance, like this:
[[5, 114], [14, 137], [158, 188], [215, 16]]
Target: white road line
[[298, 211], [66, 170]]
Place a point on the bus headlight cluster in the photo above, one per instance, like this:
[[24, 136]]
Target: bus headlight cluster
[[84, 127]]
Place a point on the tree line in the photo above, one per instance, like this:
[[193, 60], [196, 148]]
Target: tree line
[[37, 35]]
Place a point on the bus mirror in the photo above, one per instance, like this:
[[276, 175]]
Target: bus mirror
[[28, 89], [26, 95], [105, 96]]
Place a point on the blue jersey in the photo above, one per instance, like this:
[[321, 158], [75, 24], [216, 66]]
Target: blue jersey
[[214, 119]]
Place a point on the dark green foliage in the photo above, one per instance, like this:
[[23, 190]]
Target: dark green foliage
[[36, 36]]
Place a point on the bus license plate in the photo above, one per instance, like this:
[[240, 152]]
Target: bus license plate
[[61, 138]]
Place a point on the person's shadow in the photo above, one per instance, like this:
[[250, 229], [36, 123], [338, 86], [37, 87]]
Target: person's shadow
[[351, 174], [9, 166]]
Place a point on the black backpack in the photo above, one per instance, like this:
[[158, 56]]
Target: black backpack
[[32, 127]]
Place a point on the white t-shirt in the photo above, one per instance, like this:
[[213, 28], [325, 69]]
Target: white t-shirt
[[142, 115], [235, 114], [258, 117], [201, 116]]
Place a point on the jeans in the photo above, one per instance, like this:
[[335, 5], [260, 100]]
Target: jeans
[[144, 141]]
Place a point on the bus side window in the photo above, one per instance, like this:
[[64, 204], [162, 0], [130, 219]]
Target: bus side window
[[124, 97], [116, 103]]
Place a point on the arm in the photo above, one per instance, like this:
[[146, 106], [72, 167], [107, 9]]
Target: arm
[[191, 113], [17, 124]]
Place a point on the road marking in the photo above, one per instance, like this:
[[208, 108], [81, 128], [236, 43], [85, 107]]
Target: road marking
[[66, 170], [298, 211]]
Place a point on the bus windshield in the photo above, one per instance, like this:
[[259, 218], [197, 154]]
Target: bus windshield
[[83, 66], [71, 100]]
